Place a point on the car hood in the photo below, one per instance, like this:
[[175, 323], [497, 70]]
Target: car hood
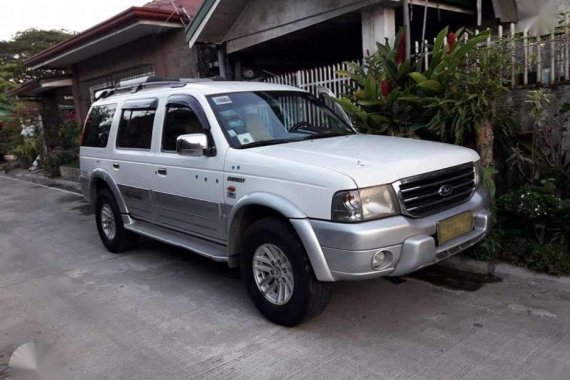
[[372, 160]]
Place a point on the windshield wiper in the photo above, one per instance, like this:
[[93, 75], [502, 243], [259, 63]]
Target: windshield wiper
[[326, 134], [283, 141], [266, 142]]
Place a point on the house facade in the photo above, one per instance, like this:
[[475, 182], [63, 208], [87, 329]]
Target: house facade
[[242, 39], [256, 38]]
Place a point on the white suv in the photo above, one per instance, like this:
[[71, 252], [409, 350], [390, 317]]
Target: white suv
[[271, 179]]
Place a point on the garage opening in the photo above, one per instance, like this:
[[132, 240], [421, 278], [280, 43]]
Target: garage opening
[[329, 42]]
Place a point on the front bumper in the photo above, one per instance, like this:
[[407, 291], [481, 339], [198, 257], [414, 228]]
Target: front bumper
[[409, 244]]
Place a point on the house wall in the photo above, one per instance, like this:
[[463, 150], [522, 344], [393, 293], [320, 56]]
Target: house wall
[[167, 54], [528, 9]]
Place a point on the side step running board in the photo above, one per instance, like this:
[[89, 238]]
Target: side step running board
[[211, 250]]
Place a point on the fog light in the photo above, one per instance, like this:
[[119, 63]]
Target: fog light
[[379, 259]]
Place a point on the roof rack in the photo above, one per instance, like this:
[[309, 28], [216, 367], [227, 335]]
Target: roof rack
[[137, 84]]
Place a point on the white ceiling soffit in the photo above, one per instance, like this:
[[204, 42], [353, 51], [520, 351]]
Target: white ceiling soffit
[[213, 20], [49, 85], [57, 83], [112, 40]]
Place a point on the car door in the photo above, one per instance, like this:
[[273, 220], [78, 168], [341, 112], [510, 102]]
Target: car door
[[131, 166], [187, 190]]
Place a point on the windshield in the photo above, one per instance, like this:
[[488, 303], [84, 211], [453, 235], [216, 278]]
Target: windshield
[[273, 117]]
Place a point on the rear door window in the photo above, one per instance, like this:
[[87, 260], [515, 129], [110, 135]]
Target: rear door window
[[98, 125], [135, 129]]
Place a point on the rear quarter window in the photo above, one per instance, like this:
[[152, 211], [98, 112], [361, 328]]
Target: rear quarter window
[[98, 126], [135, 129]]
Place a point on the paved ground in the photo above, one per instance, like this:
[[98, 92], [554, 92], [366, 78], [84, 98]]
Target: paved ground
[[160, 313]]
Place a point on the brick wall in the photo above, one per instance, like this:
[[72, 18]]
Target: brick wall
[[166, 53]]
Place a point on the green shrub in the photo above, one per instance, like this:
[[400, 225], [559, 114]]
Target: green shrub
[[532, 230], [528, 253], [70, 134], [536, 211], [10, 138], [59, 157], [28, 150]]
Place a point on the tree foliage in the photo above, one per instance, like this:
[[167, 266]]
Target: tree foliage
[[22, 46]]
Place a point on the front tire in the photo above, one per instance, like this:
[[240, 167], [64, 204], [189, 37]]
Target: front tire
[[278, 275], [110, 224]]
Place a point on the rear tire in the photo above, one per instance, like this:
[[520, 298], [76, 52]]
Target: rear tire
[[278, 275], [110, 224]]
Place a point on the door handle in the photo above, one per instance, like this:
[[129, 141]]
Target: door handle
[[161, 171], [116, 165]]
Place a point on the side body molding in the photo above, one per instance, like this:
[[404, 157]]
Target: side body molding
[[296, 216], [100, 174]]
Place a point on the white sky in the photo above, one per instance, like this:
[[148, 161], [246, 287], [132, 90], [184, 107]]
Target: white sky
[[73, 15]]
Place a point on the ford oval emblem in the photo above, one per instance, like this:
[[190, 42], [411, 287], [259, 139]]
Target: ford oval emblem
[[445, 190]]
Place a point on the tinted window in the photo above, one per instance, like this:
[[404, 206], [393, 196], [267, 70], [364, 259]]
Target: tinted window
[[178, 121], [98, 125], [135, 129]]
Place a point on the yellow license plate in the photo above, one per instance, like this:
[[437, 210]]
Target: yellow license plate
[[455, 226]]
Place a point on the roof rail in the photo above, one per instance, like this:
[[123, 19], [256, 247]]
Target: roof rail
[[137, 84]]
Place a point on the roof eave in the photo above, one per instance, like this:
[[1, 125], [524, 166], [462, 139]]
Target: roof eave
[[35, 87], [199, 21], [130, 15]]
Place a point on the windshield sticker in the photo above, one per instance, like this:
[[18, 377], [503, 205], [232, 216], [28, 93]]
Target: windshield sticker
[[245, 138], [220, 100], [235, 123], [232, 133]]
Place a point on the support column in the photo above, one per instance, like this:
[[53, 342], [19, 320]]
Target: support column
[[222, 61], [51, 120], [406, 14], [80, 113], [377, 25]]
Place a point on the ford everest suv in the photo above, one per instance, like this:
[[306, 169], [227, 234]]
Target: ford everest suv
[[269, 178]]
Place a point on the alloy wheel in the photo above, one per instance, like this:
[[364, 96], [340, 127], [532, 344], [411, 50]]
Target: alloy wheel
[[108, 222], [273, 274]]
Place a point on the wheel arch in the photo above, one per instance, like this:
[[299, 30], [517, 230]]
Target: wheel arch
[[101, 179], [256, 206]]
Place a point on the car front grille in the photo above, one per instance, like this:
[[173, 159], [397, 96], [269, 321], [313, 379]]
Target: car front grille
[[432, 192]]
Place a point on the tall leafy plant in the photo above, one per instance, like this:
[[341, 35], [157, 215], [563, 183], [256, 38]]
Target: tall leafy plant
[[381, 81], [463, 89]]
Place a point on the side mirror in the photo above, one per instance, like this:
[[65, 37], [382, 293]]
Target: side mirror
[[193, 144]]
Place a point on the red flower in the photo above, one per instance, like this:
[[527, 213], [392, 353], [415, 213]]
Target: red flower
[[451, 39], [401, 55], [385, 88]]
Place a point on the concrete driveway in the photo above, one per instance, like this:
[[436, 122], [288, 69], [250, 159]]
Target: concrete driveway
[[161, 313]]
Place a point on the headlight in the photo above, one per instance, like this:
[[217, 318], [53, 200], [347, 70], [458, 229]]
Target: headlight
[[479, 179], [364, 204]]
